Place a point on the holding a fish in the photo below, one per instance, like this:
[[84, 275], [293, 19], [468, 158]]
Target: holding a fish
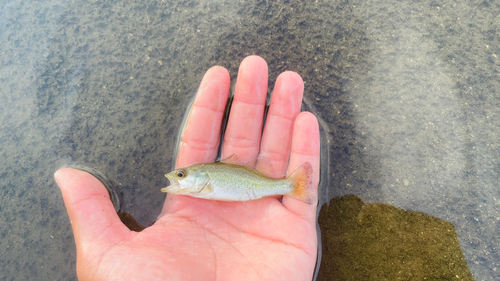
[[229, 181], [259, 222]]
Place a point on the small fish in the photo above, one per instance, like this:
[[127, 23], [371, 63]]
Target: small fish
[[232, 182]]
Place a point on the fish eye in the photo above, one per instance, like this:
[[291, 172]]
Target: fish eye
[[180, 174]]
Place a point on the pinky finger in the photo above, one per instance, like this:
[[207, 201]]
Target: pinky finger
[[305, 148]]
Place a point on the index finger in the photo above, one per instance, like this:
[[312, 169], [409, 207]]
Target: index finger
[[200, 140]]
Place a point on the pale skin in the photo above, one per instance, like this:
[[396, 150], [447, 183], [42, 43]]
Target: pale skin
[[272, 238]]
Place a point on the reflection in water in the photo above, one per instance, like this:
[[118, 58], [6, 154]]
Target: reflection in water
[[381, 242]]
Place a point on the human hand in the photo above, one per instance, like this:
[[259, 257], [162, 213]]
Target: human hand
[[196, 239]]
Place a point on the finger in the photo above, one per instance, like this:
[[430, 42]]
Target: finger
[[200, 141], [283, 109], [305, 148], [244, 127], [90, 210]]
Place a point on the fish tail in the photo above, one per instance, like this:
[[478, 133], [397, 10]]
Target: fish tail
[[302, 179]]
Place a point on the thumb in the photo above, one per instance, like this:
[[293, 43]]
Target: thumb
[[90, 210]]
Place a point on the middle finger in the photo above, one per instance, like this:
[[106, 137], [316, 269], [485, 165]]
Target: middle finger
[[244, 127]]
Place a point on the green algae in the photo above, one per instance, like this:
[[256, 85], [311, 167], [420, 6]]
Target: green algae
[[381, 242]]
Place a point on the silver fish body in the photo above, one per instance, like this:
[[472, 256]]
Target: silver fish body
[[231, 182]]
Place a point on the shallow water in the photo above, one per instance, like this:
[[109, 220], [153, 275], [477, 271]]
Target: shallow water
[[407, 95]]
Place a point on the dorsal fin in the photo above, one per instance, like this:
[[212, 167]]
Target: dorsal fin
[[264, 166], [233, 159]]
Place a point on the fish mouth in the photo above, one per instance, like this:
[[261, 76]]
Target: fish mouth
[[173, 184]]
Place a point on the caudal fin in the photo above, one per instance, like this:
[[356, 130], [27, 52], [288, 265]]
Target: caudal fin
[[302, 179]]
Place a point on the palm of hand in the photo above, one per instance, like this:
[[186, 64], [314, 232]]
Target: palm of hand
[[212, 242], [197, 239]]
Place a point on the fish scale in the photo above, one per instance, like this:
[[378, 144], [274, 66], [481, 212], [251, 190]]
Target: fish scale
[[238, 183]]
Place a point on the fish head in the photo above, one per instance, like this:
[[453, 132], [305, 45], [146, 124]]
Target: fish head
[[190, 180]]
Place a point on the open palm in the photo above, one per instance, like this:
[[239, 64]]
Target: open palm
[[195, 239]]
